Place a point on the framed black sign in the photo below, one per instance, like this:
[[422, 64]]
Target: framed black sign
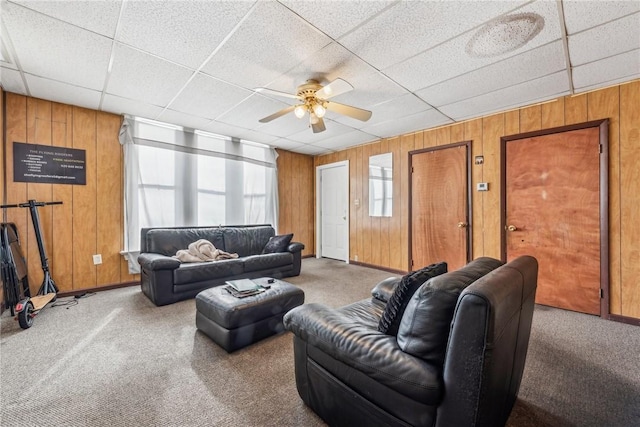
[[48, 164]]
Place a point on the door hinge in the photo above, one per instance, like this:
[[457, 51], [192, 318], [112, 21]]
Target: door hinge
[[411, 263], [411, 169], [601, 294], [600, 148]]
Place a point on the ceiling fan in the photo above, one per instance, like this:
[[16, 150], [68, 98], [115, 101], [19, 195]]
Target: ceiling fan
[[314, 99]]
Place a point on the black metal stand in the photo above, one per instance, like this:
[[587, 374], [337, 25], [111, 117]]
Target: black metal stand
[[48, 285]]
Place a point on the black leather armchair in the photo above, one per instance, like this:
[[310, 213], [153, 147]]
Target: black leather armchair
[[351, 374]]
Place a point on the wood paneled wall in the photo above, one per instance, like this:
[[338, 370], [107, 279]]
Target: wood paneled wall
[[296, 195], [384, 241], [90, 219]]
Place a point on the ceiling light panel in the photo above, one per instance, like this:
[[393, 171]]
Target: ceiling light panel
[[49, 48], [118, 105], [11, 81], [336, 18], [580, 15], [450, 59], [183, 32], [533, 91], [413, 27], [98, 16], [625, 66], [130, 76], [62, 92], [606, 40], [530, 65], [270, 42], [207, 97]]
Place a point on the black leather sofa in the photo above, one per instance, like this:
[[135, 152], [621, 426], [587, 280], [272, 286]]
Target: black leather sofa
[[351, 374], [165, 280]]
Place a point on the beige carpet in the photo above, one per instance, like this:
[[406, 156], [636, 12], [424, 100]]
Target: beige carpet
[[115, 359]]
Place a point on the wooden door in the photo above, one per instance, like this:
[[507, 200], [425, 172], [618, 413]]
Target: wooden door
[[553, 212], [334, 183], [439, 201]]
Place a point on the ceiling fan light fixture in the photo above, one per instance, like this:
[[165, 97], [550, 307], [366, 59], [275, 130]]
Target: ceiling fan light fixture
[[319, 110], [313, 119], [299, 111]]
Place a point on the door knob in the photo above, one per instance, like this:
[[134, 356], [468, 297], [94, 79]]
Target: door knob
[[462, 224], [512, 228]]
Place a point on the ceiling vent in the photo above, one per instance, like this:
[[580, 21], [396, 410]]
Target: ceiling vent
[[505, 34]]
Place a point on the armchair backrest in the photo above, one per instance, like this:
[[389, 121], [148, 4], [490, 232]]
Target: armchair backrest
[[487, 346]]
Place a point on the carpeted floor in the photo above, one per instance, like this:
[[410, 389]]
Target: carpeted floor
[[115, 359]]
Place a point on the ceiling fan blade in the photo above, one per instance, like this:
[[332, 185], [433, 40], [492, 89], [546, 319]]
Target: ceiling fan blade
[[276, 92], [335, 88], [278, 114], [319, 126], [347, 110]]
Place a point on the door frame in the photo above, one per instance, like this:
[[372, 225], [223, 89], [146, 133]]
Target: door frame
[[469, 221], [603, 126], [345, 164]]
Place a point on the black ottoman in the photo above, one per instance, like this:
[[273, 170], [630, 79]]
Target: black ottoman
[[234, 323]]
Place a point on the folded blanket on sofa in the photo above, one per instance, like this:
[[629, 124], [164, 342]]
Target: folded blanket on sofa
[[202, 250]]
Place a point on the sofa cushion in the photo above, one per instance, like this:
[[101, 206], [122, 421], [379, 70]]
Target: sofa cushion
[[168, 241], [384, 289], [267, 261], [203, 271], [425, 324], [390, 320], [246, 241], [277, 244]]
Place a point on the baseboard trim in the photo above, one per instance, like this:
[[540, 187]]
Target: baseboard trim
[[624, 319], [98, 289], [378, 267]]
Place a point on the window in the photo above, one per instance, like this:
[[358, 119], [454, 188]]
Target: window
[[176, 177]]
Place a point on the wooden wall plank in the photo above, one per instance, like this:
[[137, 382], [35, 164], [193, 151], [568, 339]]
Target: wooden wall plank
[[575, 109], [473, 133], [604, 104], [430, 139], [84, 201], [109, 197], [552, 114], [512, 122], [530, 118], [395, 227], [353, 221], [443, 135], [492, 130], [62, 215], [384, 244], [457, 132], [630, 199]]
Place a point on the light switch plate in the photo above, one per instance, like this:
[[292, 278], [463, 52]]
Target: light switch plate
[[483, 186]]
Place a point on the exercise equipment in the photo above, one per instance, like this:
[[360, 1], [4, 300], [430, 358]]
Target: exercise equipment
[[14, 269]]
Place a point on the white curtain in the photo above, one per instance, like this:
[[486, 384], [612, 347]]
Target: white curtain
[[179, 177]]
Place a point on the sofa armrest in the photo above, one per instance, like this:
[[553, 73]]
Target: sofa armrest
[[152, 261], [295, 247], [384, 290], [373, 353]]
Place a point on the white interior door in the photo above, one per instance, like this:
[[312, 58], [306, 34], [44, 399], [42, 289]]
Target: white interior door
[[334, 211]]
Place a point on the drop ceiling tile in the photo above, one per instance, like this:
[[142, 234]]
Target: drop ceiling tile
[[424, 120], [312, 150], [529, 65], [182, 119], [98, 16], [11, 81], [138, 75], [450, 59], [333, 129], [625, 66], [118, 105], [346, 140], [336, 18], [251, 135], [271, 41], [285, 144], [580, 14], [207, 97], [223, 129], [52, 49], [606, 40], [248, 113], [413, 27], [284, 126], [530, 92], [396, 108], [62, 92], [183, 32]]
